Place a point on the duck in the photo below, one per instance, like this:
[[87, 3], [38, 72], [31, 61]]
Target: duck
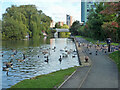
[[20, 60], [44, 52], [12, 55]]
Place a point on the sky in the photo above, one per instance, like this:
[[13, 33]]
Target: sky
[[57, 9]]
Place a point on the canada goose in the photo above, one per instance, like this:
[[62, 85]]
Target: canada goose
[[24, 57], [47, 60], [90, 53], [38, 56], [61, 50], [73, 56], [9, 64], [5, 69], [64, 55], [60, 59], [54, 48], [96, 52]]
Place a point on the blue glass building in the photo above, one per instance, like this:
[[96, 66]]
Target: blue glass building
[[85, 9]]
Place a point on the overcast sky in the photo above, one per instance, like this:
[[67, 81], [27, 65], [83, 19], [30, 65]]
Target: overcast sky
[[57, 9]]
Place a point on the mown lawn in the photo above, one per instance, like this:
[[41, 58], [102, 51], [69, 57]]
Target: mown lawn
[[46, 81], [94, 41], [116, 57]]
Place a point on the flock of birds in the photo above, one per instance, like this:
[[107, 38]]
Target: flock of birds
[[65, 52]]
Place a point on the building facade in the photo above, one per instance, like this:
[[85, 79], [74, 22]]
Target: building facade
[[52, 24], [85, 9], [69, 20]]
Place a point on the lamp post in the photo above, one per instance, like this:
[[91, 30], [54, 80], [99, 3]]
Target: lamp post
[[108, 42]]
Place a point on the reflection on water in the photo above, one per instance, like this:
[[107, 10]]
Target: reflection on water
[[36, 52]]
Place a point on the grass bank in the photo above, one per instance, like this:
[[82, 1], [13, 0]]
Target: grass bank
[[116, 57], [51, 80], [94, 41]]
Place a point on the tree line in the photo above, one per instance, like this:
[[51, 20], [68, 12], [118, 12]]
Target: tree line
[[19, 21], [103, 22]]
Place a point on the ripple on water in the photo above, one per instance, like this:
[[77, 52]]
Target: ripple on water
[[34, 65]]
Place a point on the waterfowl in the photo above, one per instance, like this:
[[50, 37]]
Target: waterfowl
[[47, 60], [60, 59], [64, 55], [90, 53], [24, 57], [44, 52], [12, 55], [9, 64], [38, 56], [20, 60], [5, 69], [73, 56]]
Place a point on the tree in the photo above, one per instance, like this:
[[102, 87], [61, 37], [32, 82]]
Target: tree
[[65, 26], [23, 20], [74, 28], [57, 25]]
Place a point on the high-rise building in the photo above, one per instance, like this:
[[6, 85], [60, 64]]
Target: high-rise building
[[85, 9], [69, 20], [60, 23]]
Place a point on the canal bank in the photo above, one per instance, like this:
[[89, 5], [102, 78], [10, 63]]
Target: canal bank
[[77, 78]]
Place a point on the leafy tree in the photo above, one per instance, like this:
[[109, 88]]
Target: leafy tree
[[57, 25], [74, 28], [23, 20], [65, 26]]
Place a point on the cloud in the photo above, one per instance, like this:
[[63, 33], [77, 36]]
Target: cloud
[[57, 9]]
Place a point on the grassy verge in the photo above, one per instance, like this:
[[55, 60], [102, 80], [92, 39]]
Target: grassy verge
[[46, 81], [94, 41], [116, 57]]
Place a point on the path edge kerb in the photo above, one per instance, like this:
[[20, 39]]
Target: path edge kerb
[[66, 79], [75, 72]]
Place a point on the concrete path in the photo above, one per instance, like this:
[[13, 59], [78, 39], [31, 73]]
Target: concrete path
[[103, 72]]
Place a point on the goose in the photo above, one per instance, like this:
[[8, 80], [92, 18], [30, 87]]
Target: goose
[[60, 59], [24, 57], [38, 56], [90, 53], [5, 69], [9, 64], [73, 56], [96, 52], [47, 60], [64, 55]]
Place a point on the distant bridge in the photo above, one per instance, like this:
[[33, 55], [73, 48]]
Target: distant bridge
[[60, 30]]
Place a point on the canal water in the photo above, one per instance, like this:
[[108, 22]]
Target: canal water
[[34, 63]]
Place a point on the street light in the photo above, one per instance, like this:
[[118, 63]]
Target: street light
[[108, 42]]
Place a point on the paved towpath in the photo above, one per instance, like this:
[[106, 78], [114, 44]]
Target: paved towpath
[[102, 73]]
